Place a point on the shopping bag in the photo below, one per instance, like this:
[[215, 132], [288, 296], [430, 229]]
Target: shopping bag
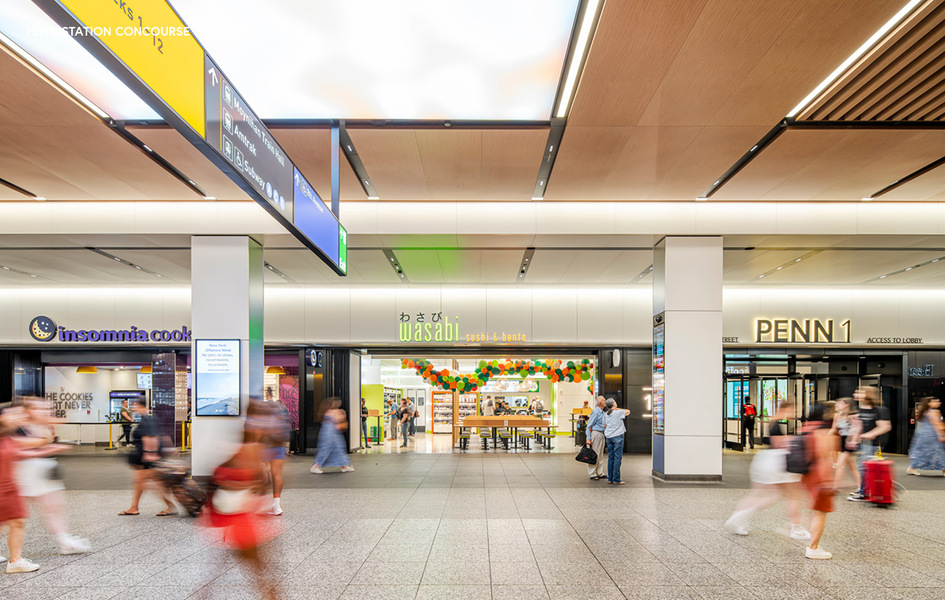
[[587, 455]]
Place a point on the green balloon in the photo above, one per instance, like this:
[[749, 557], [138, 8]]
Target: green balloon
[[585, 376], [585, 361], [570, 364], [524, 374], [482, 364]]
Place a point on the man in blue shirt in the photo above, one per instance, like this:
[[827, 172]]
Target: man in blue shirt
[[614, 430], [595, 439]]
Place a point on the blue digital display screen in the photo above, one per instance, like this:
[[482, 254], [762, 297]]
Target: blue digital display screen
[[314, 219]]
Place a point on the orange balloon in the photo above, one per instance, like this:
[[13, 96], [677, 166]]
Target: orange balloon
[[554, 377]]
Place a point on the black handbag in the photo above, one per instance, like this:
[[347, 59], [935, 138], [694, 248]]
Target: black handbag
[[587, 455]]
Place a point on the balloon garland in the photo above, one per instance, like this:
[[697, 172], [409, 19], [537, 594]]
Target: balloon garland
[[554, 370]]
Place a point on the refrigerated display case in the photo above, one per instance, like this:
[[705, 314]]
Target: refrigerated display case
[[442, 412], [468, 404]]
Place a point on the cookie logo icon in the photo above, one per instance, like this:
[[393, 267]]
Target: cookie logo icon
[[42, 329]]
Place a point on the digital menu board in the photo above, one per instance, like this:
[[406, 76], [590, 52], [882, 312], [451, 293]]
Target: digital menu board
[[659, 378], [217, 378]]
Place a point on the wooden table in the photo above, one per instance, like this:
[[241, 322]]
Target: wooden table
[[511, 421]]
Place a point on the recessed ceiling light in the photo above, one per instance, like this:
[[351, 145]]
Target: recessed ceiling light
[[936, 259], [209, 198], [882, 277], [908, 268], [797, 260], [779, 268]]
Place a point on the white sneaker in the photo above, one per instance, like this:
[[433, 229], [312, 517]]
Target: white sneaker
[[74, 545], [736, 526], [274, 511], [799, 533], [347, 469], [818, 554], [315, 469], [22, 566]]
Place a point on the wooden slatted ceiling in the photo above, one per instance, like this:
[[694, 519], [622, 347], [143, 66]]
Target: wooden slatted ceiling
[[833, 164], [451, 164], [310, 150], [55, 149], [901, 80], [674, 93]]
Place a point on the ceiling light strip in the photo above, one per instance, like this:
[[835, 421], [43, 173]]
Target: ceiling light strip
[[276, 271], [395, 265], [910, 177], [589, 14], [351, 153], [527, 260], [642, 274], [119, 128], [785, 265], [59, 83], [10, 269], [746, 158], [120, 260], [868, 45], [18, 189], [550, 154], [906, 269]]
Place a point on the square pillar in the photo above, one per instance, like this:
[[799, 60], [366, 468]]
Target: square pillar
[[687, 319], [226, 304]]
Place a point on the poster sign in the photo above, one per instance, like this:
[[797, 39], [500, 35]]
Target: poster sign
[[217, 380], [659, 378]]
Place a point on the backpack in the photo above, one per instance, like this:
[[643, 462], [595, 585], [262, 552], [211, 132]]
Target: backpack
[[797, 458]]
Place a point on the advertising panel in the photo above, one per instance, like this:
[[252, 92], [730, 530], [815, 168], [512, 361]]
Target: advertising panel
[[217, 379]]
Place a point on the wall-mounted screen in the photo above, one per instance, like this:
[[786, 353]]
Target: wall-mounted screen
[[659, 378], [217, 380], [144, 381]]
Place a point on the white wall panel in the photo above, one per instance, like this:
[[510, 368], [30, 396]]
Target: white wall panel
[[327, 316], [13, 323], [600, 313], [373, 317], [509, 310], [692, 360], [285, 314], [554, 315], [470, 305]]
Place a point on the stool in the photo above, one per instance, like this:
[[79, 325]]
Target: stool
[[485, 434], [463, 439], [505, 436], [526, 437], [546, 437]]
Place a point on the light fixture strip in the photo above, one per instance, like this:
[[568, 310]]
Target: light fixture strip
[[642, 274], [550, 154], [395, 265], [120, 260], [785, 265], [354, 160], [10, 269], [527, 260], [906, 269], [577, 56], [870, 43], [276, 271]]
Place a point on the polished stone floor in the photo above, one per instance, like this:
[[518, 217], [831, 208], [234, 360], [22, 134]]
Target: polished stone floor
[[515, 526]]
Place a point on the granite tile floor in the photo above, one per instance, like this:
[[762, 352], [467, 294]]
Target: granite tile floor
[[495, 526]]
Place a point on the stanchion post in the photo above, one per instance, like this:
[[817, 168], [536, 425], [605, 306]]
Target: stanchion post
[[110, 447]]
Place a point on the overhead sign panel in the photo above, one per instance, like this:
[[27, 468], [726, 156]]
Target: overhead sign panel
[[149, 48], [235, 131], [152, 40]]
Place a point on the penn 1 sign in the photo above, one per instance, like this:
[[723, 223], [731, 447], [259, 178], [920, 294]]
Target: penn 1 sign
[[44, 329]]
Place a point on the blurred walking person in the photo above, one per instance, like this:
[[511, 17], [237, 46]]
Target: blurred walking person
[[846, 425], [275, 435], [38, 477], [12, 508], [237, 487], [926, 451], [819, 445], [748, 421], [146, 439], [614, 430], [596, 439], [331, 442], [770, 481], [874, 421]]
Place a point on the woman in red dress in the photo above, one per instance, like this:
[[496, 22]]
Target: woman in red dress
[[12, 508], [820, 446], [236, 501]]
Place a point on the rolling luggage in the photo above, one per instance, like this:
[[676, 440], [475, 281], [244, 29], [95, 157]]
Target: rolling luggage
[[176, 478], [879, 482]]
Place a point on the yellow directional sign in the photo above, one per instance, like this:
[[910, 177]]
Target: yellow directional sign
[[149, 37]]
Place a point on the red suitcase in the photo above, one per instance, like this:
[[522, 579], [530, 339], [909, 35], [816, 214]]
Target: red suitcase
[[879, 482]]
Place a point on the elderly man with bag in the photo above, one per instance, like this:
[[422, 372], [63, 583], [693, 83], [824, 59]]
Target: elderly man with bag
[[595, 439]]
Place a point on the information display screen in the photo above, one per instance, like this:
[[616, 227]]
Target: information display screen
[[314, 219], [144, 381], [217, 379], [659, 378]]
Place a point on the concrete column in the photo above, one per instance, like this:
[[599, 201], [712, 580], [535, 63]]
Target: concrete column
[[226, 303], [687, 303]]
